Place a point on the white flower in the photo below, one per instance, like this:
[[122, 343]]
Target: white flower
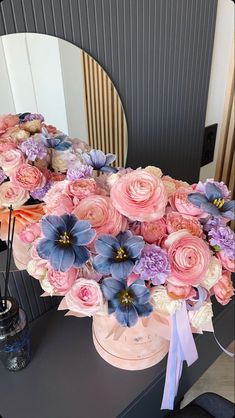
[[61, 160], [36, 269], [156, 171], [162, 302], [199, 318], [46, 286], [213, 273]]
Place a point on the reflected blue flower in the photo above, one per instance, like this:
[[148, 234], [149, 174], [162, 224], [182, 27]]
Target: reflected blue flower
[[117, 256], [64, 240], [59, 142], [127, 302], [99, 161]]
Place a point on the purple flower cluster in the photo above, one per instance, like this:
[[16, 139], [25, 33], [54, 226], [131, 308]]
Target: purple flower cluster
[[153, 265], [2, 176], [83, 171], [33, 116], [201, 187], [223, 239], [33, 149], [40, 193]]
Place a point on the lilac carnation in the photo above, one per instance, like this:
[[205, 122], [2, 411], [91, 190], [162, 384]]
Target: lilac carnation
[[223, 239], [83, 171], [153, 265], [212, 223], [2, 176], [40, 193], [33, 149]]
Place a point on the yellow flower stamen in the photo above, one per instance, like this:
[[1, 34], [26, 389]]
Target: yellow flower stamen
[[218, 203], [121, 254], [125, 298], [64, 239]]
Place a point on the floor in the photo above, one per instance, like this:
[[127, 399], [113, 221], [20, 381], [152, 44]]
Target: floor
[[219, 378]]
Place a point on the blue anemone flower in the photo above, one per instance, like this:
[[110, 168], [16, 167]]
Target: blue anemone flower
[[65, 237], [99, 161], [118, 256], [127, 302], [59, 142], [213, 202]]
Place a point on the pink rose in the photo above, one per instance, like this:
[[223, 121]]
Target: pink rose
[[180, 292], [189, 257], [7, 144], [12, 195], [57, 200], [227, 263], [85, 297], [11, 160], [154, 232], [101, 214], [61, 282], [30, 233], [81, 188], [176, 221], [29, 177], [223, 289], [140, 196], [180, 203], [7, 121]]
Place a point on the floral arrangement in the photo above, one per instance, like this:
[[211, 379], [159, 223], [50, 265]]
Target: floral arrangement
[[129, 243]]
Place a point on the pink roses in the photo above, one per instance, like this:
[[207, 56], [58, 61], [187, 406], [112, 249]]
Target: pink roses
[[12, 195], [85, 297], [223, 289], [11, 160], [60, 281], [189, 257], [29, 177], [140, 196]]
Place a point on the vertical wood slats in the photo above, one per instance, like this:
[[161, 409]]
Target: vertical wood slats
[[106, 118]]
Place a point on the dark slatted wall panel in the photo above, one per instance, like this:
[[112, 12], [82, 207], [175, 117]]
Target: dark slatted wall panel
[[158, 54]]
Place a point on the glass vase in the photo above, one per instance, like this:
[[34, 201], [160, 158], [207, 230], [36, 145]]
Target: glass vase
[[15, 344]]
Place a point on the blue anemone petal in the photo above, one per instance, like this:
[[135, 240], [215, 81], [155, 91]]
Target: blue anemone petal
[[212, 192], [106, 245], [98, 158], [127, 316], [197, 199], [211, 209], [111, 287], [87, 158], [143, 310], [102, 264], [140, 291], [52, 226], [45, 247], [134, 246], [62, 146], [82, 255], [107, 169], [123, 237], [79, 227], [69, 220], [62, 258], [228, 206], [110, 158], [122, 269], [84, 237]]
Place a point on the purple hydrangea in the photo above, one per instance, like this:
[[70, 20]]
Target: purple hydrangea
[[40, 193], [84, 171], [153, 265], [33, 149], [27, 117], [212, 223], [223, 239], [2, 176]]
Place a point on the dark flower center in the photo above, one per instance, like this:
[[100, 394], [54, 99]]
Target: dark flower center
[[65, 239], [126, 297], [218, 203], [121, 254]]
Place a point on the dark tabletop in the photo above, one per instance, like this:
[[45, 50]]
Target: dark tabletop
[[68, 379]]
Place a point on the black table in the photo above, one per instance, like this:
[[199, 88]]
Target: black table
[[68, 379]]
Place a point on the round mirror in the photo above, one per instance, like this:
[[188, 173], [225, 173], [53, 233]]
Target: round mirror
[[46, 75]]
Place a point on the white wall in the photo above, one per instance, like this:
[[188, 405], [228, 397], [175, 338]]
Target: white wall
[[224, 33], [43, 74]]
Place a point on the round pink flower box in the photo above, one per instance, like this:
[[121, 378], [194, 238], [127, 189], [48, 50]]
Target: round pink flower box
[[134, 348]]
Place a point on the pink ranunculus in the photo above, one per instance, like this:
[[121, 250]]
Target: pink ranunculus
[[154, 232], [223, 289], [180, 203], [227, 263], [189, 257], [81, 188], [7, 121], [61, 282], [180, 292], [85, 297], [30, 233], [29, 177], [7, 144], [57, 200], [11, 160], [176, 221], [102, 215], [12, 195], [140, 196]]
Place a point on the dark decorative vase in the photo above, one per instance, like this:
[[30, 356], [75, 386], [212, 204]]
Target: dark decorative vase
[[15, 344]]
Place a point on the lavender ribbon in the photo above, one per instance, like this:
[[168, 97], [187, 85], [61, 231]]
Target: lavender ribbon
[[182, 347]]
